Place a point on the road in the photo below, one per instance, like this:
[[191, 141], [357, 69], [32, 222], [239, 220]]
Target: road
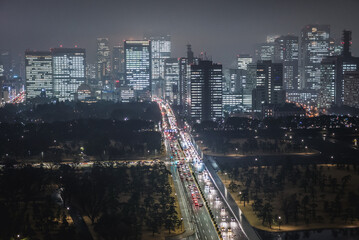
[[186, 167]]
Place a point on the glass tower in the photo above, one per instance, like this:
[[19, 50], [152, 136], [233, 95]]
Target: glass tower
[[38, 73], [68, 67], [138, 67]]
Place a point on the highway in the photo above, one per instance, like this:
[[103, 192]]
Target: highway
[[186, 167]]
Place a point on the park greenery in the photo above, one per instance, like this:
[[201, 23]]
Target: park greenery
[[68, 131], [295, 197], [122, 201]]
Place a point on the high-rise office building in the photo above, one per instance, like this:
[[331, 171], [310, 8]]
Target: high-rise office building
[[172, 80], [6, 62], [206, 91], [269, 85], [68, 69], [286, 52], [38, 74], [103, 58], [138, 67], [351, 89], [265, 51], [243, 60], [314, 46], [185, 80], [333, 69], [160, 51], [118, 60]]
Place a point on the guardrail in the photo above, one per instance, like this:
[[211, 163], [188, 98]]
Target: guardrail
[[248, 230]]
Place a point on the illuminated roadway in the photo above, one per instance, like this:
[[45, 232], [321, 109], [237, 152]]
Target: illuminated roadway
[[185, 161]]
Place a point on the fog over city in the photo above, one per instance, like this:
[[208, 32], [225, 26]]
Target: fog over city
[[221, 28]]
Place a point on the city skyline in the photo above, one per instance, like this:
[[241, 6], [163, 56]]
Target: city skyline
[[230, 26]]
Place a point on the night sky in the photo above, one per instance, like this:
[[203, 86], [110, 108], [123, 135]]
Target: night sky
[[221, 28]]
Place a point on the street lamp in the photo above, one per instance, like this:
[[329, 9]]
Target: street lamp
[[181, 224], [279, 221]]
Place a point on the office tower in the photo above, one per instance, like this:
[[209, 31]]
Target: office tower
[[172, 80], [335, 49], [6, 62], [243, 60], [351, 89], [333, 69], [184, 84], [118, 60], [103, 58], [190, 54], [1, 70], [286, 52], [38, 73], [68, 69], [269, 85], [91, 71], [160, 50], [328, 74], [138, 67], [314, 46], [265, 51], [206, 91]]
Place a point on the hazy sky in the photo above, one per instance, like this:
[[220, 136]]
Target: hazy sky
[[221, 28]]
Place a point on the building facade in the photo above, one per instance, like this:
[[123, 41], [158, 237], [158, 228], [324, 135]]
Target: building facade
[[138, 67], [206, 91], [314, 46], [38, 74], [269, 85], [351, 89], [172, 80], [286, 52], [103, 58], [68, 69]]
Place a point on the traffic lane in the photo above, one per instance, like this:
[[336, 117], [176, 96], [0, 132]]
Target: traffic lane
[[221, 211]]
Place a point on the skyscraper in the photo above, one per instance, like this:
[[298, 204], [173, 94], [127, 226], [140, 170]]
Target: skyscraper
[[314, 46], [118, 60], [172, 80], [68, 69], [351, 89], [206, 91], [38, 74], [269, 85], [243, 60], [103, 58], [286, 52], [138, 67], [333, 69], [160, 51]]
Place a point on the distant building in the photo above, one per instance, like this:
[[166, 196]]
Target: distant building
[[138, 67], [84, 94], [269, 85], [206, 91], [243, 60], [314, 46], [103, 58], [286, 52], [160, 51], [38, 74], [127, 94], [303, 96], [68, 69], [351, 89], [333, 69], [118, 60], [265, 51], [172, 80], [282, 110]]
